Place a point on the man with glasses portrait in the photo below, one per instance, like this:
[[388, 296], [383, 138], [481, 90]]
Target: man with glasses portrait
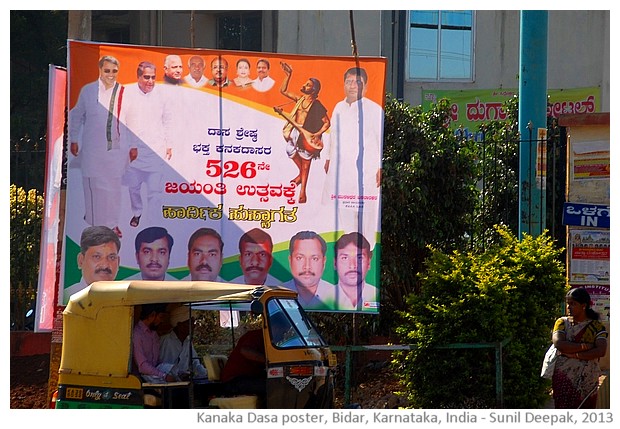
[[95, 141]]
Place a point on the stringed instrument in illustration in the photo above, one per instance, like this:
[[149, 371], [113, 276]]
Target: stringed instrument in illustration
[[312, 144]]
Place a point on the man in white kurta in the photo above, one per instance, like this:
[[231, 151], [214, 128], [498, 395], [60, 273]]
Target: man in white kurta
[[174, 347], [147, 117], [353, 158], [95, 134]]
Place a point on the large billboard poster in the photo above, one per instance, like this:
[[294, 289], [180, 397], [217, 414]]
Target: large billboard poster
[[243, 167]]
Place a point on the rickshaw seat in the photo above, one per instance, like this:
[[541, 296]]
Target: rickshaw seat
[[235, 402], [214, 365]]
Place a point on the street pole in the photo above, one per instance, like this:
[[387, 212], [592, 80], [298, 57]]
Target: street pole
[[532, 117]]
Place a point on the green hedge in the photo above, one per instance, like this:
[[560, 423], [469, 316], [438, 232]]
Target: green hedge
[[25, 236], [512, 290]]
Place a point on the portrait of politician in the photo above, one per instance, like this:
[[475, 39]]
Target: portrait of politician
[[352, 262], [153, 248], [205, 255], [307, 260], [255, 258], [98, 259]]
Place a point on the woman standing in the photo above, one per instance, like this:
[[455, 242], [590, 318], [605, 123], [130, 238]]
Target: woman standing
[[581, 340]]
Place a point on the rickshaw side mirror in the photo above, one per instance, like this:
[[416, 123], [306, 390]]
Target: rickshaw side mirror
[[256, 307]]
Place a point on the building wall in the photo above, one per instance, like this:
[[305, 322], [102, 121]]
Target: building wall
[[583, 130], [572, 62], [329, 32], [579, 43], [204, 27]]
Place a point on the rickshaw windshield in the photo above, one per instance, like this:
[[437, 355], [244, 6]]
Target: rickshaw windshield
[[289, 326]]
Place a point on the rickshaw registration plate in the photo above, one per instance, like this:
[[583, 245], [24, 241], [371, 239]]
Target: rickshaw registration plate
[[74, 393]]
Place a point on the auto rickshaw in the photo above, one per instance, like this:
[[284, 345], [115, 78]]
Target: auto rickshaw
[[96, 362]]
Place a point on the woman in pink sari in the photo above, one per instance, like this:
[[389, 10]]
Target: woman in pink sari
[[581, 340]]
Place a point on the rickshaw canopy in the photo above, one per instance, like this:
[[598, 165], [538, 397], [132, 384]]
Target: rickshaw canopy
[[98, 321]]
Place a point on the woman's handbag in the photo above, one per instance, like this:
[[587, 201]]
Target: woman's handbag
[[549, 362]]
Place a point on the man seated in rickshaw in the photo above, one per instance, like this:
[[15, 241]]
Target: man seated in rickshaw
[[245, 371], [146, 345], [175, 346]]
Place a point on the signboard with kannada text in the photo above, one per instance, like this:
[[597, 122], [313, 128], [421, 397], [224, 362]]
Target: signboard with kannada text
[[470, 108]]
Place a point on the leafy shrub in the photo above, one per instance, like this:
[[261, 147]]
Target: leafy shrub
[[25, 236], [511, 291]]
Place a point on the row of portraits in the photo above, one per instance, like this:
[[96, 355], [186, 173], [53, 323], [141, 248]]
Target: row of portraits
[[99, 260]]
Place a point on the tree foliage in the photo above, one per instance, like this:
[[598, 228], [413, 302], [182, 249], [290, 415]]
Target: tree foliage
[[429, 193], [499, 183], [25, 235], [510, 291]]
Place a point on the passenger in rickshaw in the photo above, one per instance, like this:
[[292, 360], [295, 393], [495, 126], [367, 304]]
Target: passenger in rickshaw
[[175, 346], [146, 345]]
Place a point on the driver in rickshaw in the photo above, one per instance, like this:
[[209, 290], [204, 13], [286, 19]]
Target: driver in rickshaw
[[245, 370]]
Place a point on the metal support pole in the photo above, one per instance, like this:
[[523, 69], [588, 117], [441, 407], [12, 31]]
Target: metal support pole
[[532, 110]]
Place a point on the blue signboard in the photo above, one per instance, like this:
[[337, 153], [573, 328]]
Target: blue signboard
[[580, 214]]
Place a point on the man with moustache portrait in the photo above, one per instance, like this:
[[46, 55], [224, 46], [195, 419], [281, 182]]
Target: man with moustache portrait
[[352, 263], [204, 255], [153, 247], [98, 258], [255, 258], [219, 72], [307, 259]]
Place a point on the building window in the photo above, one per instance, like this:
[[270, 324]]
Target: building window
[[110, 26], [440, 45], [240, 31]]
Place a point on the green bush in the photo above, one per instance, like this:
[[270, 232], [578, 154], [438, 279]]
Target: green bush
[[25, 226], [510, 291]]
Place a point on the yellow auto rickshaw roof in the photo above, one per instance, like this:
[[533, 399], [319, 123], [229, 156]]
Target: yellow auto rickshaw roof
[[98, 321], [90, 300]]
